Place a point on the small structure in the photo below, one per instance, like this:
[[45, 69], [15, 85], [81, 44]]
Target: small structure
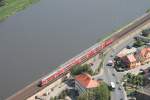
[[84, 82], [131, 61], [145, 55], [134, 57], [126, 51]]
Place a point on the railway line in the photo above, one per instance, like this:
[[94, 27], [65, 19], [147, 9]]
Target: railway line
[[79, 59]]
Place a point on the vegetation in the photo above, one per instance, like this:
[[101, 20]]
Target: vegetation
[[146, 32], [81, 69], [86, 96], [63, 94], [138, 43], [136, 80], [54, 98], [100, 93], [148, 10], [9, 7], [119, 65], [100, 64], [2, 3]]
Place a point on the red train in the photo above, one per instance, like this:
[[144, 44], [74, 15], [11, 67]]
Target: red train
[[79, 60]]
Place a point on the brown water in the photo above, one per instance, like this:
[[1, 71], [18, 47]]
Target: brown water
[[34, 41]]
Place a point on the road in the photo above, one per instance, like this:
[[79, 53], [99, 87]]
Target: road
[[110, 74], [32, 88]]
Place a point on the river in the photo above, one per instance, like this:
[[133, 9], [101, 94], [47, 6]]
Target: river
[[36, 40]]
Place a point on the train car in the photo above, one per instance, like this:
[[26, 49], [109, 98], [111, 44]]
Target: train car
[[51, 77], [79, 60]]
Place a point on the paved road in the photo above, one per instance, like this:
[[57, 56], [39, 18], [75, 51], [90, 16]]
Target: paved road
[[108, 76], [117, 94]]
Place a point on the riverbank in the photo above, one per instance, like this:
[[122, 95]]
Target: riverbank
[[13, 6]]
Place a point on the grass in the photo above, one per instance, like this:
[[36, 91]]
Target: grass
[[13, 6], [148, 10]]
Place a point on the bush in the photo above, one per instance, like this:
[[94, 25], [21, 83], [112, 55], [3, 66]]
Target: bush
[[138, 43], [146, 32], [81, 69], [2, 3], [63, 94], [100, 93]]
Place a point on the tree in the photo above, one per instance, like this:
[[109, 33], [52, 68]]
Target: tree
[[2, 3], [53, 98], [100, 93], [137, 80], [146, 32], [81, 69], [103, 91], [88, 95], [140, 80], [138, 43]]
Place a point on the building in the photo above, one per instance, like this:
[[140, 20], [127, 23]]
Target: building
[[145, 55], [84, 82], [130, 61], [126, 51], [134, 57]]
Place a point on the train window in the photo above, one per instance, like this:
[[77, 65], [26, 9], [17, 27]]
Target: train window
[[108, 42], [98, 49], [78, 61], [84, 58], [90, 54], [102, 45], [44, 82], [68, 67], [51, 78]]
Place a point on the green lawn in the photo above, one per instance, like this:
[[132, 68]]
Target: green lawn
[[13, 6]]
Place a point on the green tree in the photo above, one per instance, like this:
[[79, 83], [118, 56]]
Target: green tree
[[84, 96], [2, 3], [103, 91], [100, 93], [53, 98], [146, 32], [138, 43], [80, 69]]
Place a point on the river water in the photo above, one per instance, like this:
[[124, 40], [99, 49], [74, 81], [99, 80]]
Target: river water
[[34, 41]]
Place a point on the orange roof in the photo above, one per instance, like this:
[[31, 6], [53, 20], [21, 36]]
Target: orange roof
[[131, 58], [144, 52], [86, 81]]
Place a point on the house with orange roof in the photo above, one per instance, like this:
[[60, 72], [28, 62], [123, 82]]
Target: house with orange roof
[[84, 82], [145, 55], [131, 61], [126, 51], [135, 59]]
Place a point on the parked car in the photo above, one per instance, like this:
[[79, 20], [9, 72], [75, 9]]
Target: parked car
[[119, 88], [128, 47], [113, 74], [110, 63]]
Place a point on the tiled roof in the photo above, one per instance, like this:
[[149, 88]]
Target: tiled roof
[[86, 81], [144, 52], [126, 51], [131, 58]]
